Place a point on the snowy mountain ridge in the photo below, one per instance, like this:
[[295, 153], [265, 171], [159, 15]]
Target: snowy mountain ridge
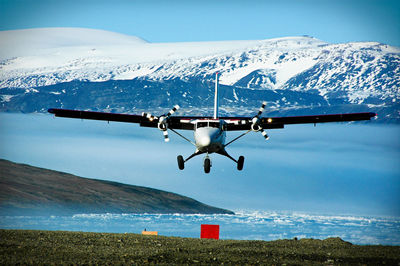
[[351, 73], [50, 56]]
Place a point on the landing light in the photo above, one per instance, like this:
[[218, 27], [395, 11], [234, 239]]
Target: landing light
[[269, 120]]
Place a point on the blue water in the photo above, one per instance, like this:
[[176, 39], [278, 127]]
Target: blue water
[[244, 225]]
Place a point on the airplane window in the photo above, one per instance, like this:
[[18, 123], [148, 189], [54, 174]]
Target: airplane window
[[214, 124], [202, 124]]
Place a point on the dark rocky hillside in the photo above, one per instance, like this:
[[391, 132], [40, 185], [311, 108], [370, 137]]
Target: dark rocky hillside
[[28, 190], [138, 95]]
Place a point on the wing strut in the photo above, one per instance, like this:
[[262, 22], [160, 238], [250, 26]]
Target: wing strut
[[180, 135], [237, 137]]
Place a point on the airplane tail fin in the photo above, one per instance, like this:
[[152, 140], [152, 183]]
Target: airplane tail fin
[[216, 97]]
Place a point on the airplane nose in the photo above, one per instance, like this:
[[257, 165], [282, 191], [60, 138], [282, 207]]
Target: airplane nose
[[205, 141]]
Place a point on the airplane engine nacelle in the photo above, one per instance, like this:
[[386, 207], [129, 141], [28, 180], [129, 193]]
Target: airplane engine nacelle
[[162, 123], [255, 127], [162, 126]]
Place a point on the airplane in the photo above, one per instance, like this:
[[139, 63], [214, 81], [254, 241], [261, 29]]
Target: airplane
[[210, 132]]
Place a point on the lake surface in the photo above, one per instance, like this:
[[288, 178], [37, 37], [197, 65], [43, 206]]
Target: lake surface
[[242, 226]]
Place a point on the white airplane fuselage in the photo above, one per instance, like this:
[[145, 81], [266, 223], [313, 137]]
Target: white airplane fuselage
[[209, 136]]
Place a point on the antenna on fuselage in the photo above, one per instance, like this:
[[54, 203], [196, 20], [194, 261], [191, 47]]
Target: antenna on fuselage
[[216, 97]]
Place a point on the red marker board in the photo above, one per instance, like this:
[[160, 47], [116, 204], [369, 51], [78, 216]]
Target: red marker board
[[210, 231]]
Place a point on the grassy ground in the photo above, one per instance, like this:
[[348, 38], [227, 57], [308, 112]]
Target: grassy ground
[[58, 247]]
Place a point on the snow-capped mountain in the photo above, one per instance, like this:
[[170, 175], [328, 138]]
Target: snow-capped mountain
[[100, 70]]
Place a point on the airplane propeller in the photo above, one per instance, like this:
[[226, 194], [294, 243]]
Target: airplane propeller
[[255, 126], [162, 120]]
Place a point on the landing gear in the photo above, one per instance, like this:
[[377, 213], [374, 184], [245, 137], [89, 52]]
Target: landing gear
[[181, 162], [207, 164], [240, 163], [207, 161]]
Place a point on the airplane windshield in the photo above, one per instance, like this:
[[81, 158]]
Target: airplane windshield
[[214, 124], [208, 124], [202, 124]]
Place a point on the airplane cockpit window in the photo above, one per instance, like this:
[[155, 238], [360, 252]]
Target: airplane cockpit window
[[208, 124], [202, 124], [214, 124]]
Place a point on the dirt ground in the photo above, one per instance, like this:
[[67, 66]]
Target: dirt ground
[[59, 247]]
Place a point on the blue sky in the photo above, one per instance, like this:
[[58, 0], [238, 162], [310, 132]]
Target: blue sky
[[177, 20]]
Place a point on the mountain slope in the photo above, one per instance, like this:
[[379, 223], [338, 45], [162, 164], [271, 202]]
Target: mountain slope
[[293, 74], [28, 190]]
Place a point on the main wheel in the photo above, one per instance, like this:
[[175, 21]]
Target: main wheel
[[240, 163], [207, 165], [181, 162]]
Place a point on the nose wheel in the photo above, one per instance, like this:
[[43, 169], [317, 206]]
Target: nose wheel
[[207, 164]]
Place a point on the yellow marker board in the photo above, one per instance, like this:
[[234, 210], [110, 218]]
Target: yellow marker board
[[150, 233]]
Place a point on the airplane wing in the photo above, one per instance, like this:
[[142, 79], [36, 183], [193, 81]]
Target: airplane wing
[[95, 115], [232, 123], [245, 123], [175, 122]]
